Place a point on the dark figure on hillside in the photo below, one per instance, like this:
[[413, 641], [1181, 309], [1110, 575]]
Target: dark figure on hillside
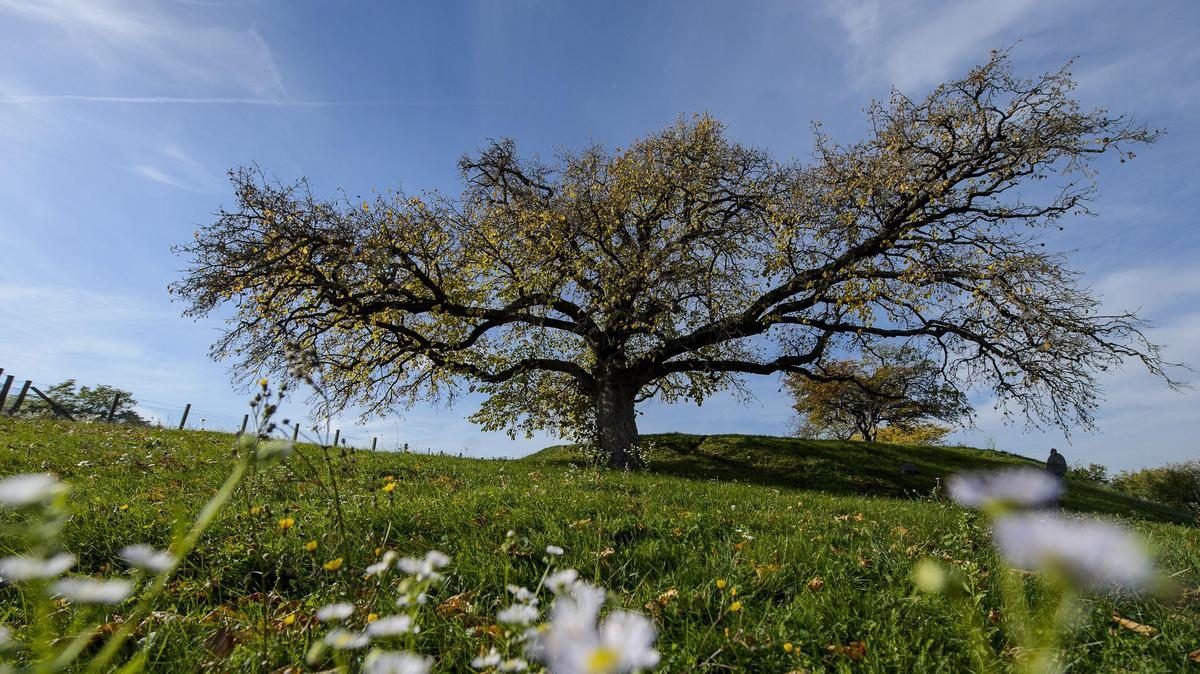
[[1056, 465]]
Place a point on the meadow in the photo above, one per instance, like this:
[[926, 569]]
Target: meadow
[[752, 554]]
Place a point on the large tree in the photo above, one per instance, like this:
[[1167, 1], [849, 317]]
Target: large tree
[[890, 386], [569, 291]]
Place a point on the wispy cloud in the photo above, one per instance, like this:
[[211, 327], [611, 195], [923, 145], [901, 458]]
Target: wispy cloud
[[913, 45], [170, 100], [148, 42]]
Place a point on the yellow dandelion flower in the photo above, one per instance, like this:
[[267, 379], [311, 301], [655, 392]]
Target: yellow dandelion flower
[[372, 617], [286, 523], [333, 564], [262, 382], [735, 607], [310, 546], [124, 507], [254, 510], [721, 583], [733, 591], [378, 551], [389, 487], [788, 647], [289, 619]]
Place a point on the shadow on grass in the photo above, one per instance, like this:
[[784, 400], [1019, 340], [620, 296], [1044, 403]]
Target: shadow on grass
[[851, 468]]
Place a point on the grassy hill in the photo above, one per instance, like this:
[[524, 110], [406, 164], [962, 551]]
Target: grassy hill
[[850, 468], [818, 538]]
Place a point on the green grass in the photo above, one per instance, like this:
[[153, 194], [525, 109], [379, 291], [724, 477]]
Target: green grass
[[766, 514]]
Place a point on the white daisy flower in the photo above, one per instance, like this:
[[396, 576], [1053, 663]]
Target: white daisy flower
[[523, 595], [381, 567], [335, 612], [392, 662], [390, 626], [143, 556], [1093, 553], [561, 581], [517, 614], [21, 567], [91, 591], [29, 489], [1022, 487], [631, 636], [572, 644], [426, 568], [492, 659], [554, 550], [406, 601], [345, 640]]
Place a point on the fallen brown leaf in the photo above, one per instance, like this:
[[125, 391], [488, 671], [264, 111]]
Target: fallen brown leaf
[[1144, 630], [816, 584], [221, 643], [855, 650], [1194, 656], [456, 605]]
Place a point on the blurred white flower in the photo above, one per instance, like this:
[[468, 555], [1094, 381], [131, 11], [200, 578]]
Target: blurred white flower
[[274, 450], [1092, 553], [554, 550], [572, 643], [335, 612], [523, 595], [90, 591], [381, 567], [425, 568], [492, 659], [1025, 487], [6, 639], [143, 556], [561, 581], [21, 567], [345, 640], [392, 662], [517, 614], [513, 665], [390, 626], [29, 489]]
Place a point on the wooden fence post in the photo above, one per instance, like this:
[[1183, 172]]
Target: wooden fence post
[[21, 396], [374, 441], [4, 391], [183, 420], [53, 405], [336, 434], [245, 420], [112, 409]]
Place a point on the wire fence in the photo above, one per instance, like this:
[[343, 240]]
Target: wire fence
[[27, 397]]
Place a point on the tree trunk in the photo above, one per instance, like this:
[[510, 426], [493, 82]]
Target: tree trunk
[[616, 426]]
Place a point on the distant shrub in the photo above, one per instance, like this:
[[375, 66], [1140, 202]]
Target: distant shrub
[[1176, 484], [913, 434], [1093, 472]]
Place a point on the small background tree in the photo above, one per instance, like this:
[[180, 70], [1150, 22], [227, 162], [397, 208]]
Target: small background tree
[[897, 388], [86, 403]]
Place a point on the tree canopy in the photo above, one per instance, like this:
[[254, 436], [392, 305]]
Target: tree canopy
[[568, 291], [890, 387]]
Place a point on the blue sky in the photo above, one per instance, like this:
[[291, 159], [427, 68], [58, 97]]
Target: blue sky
[[118, 121]]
